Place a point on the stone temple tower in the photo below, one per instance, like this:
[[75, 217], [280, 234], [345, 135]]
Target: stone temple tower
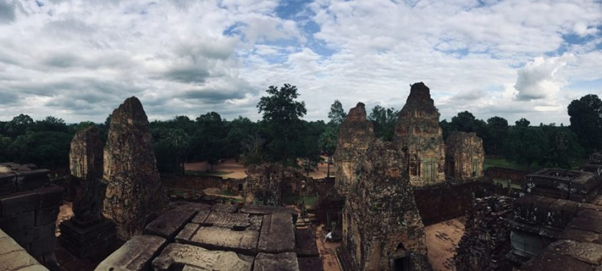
[[418, 132]]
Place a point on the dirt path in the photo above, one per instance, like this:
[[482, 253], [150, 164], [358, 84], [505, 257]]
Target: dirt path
[[327, 251], [441, 240]]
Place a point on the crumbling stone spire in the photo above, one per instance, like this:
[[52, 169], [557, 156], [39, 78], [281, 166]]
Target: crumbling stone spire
[[134, 191], [417, 131], [85, 164], [355, 135]]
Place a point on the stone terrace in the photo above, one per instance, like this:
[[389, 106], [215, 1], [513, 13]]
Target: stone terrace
[[196, 236]]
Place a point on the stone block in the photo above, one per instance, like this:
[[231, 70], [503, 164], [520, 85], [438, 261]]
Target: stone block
[[224, 208], [41, 247], [310, 264], [29, 180], [45, 231], [46, 215], [170, 223], [19, 227], [186, 233], [235, 221], [19, 202], [175, 255], [265, 210], [277, 234], [93, 241], [8, 245], [276, 262], [15, 260], [36, 267], [200, 217], [244, 242], [8, 183], [136, 254], [51, 196], [306, 243], [551, 261]]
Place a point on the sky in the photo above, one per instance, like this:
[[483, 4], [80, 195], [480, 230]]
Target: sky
[[78, 60]]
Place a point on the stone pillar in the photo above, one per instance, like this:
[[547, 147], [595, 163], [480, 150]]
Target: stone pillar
[[87, 234], [134, 191]]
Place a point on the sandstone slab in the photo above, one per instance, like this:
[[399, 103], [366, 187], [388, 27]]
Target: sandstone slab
[[136, 254], [277, 234], [170, 223], [276, 262], [236, 221], [181, 254], [244, 242]]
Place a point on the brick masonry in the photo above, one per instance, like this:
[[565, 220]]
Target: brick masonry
[[29, 205]]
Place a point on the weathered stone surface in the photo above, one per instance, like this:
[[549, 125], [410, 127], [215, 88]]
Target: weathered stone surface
[[417, 131], [135, 255], [276, 262], [464, 156], [13, 257], [236, 221], [201, 216], [265, 210], [380, 220], [310, 264], [355, 135], [571, 185], [244, 242], [170, 223], [277, 234], [264, 183], [187, 232], [486, 239], [85, 164], [32, 179], [133, 188], [306, 243], [19, 202], [224, 208], [552, 261], [181, 254]]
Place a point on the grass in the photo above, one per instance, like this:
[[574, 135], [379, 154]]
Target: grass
[[310, 201]]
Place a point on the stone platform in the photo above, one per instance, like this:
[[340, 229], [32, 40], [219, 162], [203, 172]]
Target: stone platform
[[93, 241], [196, 236]]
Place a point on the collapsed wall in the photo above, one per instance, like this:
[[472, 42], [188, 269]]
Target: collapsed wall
[[264, 183], [382, 229], [134, 191], [417, 131]]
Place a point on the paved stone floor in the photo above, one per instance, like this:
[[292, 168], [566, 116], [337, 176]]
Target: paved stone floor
[[196, 236]]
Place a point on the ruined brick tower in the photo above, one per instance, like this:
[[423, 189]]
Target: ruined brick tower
[[134, 191], [417, 131], [382, 229], [464, 156], [355, 134]]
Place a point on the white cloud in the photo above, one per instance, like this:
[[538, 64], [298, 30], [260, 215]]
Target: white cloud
[[539, 79]]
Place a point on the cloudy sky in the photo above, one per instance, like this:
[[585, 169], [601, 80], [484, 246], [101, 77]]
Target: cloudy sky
[[78, 60]]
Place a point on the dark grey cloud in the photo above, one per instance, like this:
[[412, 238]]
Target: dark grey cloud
[[187, 74], [8, 98], [470, 95], [213, 96], [7, 11]]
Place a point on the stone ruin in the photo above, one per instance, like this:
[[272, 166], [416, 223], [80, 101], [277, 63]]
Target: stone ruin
[[418, 133], [464, 156], [29, 205], [355, 135], [571, 185], [594, 165], [486, 239], [264, 183], [134, 192], [87, 233], [382, 229], [196, 236]]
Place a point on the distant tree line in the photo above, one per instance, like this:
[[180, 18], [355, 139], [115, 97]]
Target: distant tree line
[[283, 136]]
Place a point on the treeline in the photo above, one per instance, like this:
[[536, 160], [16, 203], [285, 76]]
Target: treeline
[[282, 136]]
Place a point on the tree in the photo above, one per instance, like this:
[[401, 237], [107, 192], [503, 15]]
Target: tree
[[337, 114], [18, 125], [586, 121], [526, 145], [4, 145], [328, 144], [171, 147], [384, 120], [522, 123], [238, 130], [209, 139], [51, 123], [464, 122], [497, 130], [282, 119], [563, 146]]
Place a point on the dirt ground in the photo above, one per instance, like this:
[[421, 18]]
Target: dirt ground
[[230, 169], [441, 240]]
